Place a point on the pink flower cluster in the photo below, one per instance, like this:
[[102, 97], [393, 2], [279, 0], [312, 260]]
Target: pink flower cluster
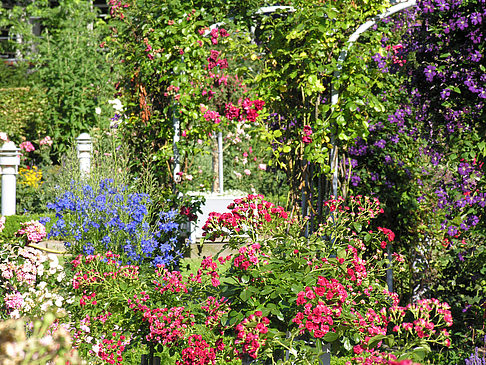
[[86, 278], [34, 231], [198, 352], [377, 357], [248, 256], [2, 223], [27, 271], [250, 333], [14, 301], [27, 146], [216, 33], [307, 133], [215, 309], [251, 212], [397, 52], [208, 267], [116, 8], [46, 141], [212, 116], [431, 318], [170, 281]]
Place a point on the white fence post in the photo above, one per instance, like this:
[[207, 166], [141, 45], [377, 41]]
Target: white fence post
[[84, 146], [9, 163]]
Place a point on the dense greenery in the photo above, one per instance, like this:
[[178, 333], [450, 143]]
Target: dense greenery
[[406, 124]]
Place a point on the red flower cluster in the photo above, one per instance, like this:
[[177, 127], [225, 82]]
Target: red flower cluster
[[319, 318], [187, 212], [216, 33], [111, 349], [249, 213], [250, 331], [167, 326], [214, 60], [209, 267], [198, 352], [370, 324]]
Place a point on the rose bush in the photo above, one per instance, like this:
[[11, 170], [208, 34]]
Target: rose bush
[[280, 295]]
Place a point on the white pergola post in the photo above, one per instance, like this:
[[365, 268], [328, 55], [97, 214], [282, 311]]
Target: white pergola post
[[9, 163], [84, 146]]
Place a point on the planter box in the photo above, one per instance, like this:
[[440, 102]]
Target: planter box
[[215, 202]]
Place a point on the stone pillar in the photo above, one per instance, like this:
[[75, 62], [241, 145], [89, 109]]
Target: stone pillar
[[9, 164]]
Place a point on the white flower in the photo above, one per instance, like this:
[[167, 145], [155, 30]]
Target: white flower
[[117, 105], [96, 349], [98, 110], [58, 302], [42, 285], [61, 276], [15, 314], [54, 260], [46, 305]]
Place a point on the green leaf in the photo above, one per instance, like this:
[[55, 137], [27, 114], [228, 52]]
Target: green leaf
[[245, 294], [286, 149], [374, 340], [330, 337]]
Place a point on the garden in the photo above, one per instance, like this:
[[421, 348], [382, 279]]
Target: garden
[[211, 182]]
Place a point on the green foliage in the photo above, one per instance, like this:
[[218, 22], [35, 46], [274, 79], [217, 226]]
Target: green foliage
[[23, 112], [70, 68], [74, 70], [301, 50]]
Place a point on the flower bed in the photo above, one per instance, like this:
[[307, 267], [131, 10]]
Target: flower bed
[[280, 296]]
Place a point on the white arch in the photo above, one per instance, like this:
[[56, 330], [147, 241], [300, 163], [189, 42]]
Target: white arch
[[337, 74], [361, 29]]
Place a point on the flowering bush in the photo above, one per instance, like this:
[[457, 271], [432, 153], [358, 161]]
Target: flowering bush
[[116, 305], [250, 216], [109, 217], [29, 277], [322, 284]]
